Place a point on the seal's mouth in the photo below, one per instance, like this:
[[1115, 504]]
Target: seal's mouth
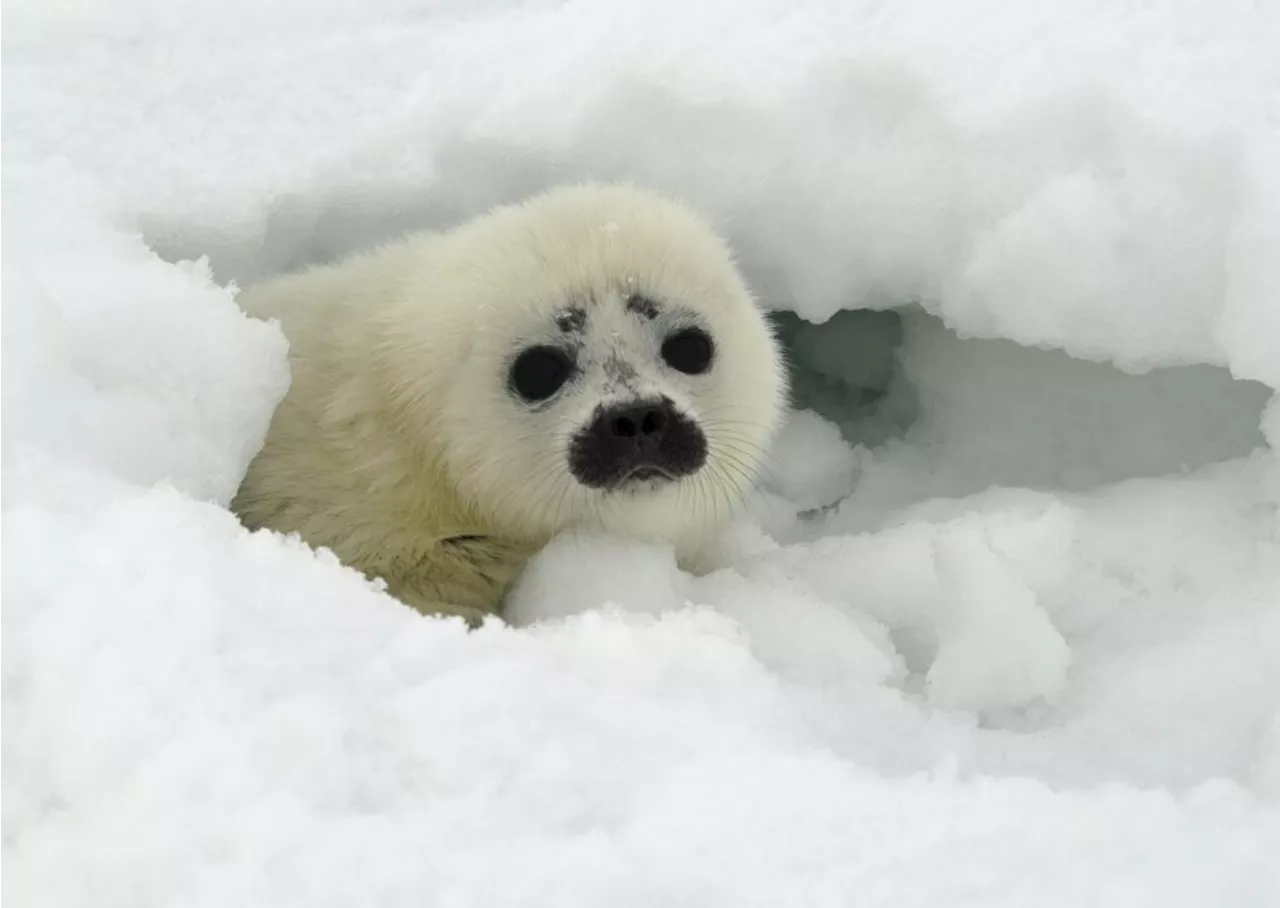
[[647, 473]]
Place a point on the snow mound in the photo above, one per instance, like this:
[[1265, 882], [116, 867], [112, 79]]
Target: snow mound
[[998, 626]]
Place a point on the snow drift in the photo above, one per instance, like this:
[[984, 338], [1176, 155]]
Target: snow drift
[[999, 627]]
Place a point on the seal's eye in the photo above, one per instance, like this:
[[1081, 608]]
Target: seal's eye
[[688, 351], [539, 372]]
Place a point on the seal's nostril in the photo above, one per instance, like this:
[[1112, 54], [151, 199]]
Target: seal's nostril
[[624, 427], [636, 422]]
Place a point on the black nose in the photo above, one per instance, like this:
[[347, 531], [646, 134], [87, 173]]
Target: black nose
[[644, 423], [640, 440]]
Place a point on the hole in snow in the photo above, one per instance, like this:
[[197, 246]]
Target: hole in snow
[[931, 414], [844, 369]]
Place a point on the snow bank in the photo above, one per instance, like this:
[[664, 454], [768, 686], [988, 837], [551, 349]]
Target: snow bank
[[998, 628]]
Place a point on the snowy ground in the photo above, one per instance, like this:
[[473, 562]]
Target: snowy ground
[[1011, 639]]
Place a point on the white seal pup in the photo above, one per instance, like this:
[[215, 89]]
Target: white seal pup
[[590, 358]]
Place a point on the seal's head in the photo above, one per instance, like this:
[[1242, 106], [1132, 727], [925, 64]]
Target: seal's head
[[611, 368]]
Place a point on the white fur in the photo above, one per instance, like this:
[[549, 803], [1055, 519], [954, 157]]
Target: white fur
[[400, 429]]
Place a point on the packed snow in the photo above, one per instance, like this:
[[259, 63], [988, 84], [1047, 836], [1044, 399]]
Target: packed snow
[[999, 627]]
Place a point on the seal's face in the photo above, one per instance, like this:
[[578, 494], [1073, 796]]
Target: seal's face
[[632, 385], [635, 437]]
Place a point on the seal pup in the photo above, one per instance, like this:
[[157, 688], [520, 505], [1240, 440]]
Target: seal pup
[[588, 358]]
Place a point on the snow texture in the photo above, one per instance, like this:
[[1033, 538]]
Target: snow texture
[[999, 627]]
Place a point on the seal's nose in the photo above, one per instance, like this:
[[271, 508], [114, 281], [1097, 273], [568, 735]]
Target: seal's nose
[[638, 439]]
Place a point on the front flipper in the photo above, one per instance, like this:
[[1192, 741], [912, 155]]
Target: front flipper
[[434, 608], [465, 575]]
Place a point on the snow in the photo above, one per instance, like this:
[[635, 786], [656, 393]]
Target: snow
[[998, 628]]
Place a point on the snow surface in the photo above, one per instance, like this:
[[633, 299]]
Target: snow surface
[[1000, 627]]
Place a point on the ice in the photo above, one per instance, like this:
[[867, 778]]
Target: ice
[[786, 626], [153, 373], [996, 646], [810, 464], [626, 575], [998, 626]]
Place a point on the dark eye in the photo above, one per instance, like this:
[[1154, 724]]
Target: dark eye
[[688, 351], [539, 372]]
